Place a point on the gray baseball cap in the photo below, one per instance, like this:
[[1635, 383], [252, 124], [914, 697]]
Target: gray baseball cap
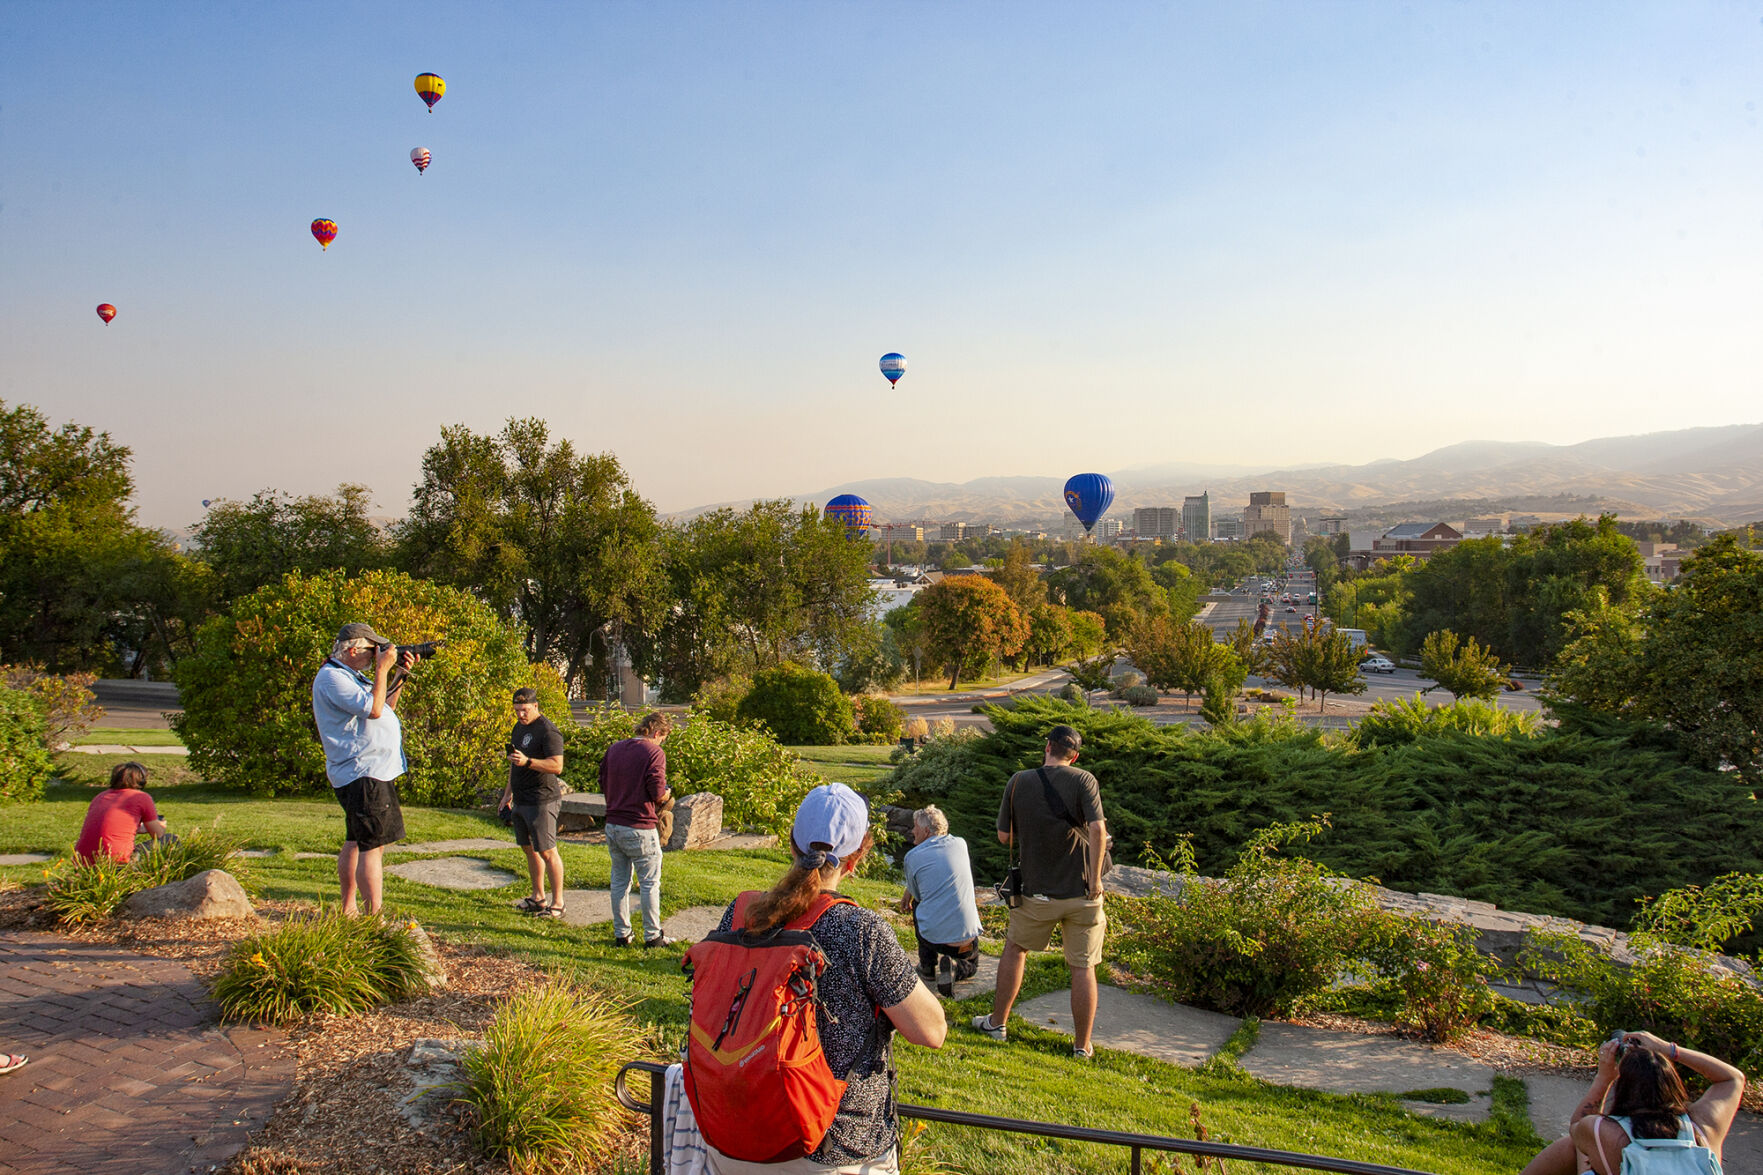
[[361, 632]]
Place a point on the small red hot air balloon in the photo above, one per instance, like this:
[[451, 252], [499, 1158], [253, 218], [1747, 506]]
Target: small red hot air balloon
[[324, 232], [106, 311], [420, 157]]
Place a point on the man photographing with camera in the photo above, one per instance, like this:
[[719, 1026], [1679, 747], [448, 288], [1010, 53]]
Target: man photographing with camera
[[355, 705]]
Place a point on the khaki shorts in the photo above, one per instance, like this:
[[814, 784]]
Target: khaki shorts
[[1081, 923]]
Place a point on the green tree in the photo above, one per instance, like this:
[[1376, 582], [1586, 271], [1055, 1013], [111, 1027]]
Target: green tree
[[1020, 578], [247, 689], [248, 544], [969, 621], [1178, 656], [81, 585], [1321, 660], [1089, 633], [1111, 583], [1691, 658], [559, 541], [1462, 668], [1050, 634]]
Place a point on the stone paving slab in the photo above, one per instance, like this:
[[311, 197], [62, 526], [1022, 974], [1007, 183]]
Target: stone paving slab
[[462, 845], [24, 858], [690, 924], [585, 907], [454, 873], [130, 1072], [1143, 1024], [119, 749], [1349, 1062]]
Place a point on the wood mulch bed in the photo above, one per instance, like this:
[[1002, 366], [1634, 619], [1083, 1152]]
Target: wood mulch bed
[[342, 1116]]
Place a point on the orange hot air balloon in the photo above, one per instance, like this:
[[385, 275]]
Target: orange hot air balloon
[[430, 87], [106, 311], [324, 232]]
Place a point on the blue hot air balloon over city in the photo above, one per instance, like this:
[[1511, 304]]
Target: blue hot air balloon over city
[[1089, 496], [853, 512], [893, 365]]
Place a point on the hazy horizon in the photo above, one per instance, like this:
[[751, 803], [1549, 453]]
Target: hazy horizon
[[1252, 234]]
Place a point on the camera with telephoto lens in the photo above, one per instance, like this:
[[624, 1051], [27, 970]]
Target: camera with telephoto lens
[[425, 649]]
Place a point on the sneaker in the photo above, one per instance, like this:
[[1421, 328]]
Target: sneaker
[[985, 1025], [946, 975], [928, 974], [624, 940], [660, 940]]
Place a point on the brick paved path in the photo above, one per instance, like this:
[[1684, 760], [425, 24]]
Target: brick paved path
[[131, 1072]]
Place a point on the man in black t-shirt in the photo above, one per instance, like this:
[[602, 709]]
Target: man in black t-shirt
[[1053, 815], [535, 760]]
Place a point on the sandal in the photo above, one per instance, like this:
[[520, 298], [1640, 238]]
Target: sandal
[[11, 1061], [547, 912], [530, 906]]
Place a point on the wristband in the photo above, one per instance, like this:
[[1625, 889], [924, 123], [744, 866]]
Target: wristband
[[1674, 1050]]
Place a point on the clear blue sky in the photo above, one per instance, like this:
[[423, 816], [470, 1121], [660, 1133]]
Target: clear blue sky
[[1103, 234]]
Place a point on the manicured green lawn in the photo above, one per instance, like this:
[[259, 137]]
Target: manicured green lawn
[[859, 765], [128, 737], [1033, 1076]]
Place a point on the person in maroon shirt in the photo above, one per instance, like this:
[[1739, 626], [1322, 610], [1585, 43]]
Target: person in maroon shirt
[[116, 814], [633, 779]]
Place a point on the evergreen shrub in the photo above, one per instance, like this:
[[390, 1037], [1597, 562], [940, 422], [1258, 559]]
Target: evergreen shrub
[[25, 765], [878, 719], [801, 706], [1510, 820], [1137, 695], [247, 689]]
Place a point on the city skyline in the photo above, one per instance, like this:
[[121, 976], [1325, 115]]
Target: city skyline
[[1231, 235]]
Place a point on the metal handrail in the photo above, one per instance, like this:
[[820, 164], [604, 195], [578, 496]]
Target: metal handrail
[[1137, 1143]]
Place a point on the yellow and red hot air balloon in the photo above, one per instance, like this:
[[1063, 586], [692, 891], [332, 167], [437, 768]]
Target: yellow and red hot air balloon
[[430, 87], [324, 232], [106, 311], [420, 156]]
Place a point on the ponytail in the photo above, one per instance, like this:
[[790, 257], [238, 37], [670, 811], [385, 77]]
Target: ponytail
[[790, 898]]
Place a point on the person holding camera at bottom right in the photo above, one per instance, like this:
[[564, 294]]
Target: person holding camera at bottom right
[[1052, 815], [1638, 1102]]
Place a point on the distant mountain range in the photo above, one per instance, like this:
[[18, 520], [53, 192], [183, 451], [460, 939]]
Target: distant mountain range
[[1710, 475]]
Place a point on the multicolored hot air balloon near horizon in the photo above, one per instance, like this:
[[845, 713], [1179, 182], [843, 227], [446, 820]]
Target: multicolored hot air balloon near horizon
[[324, 232], [853, 512], [1089, 495], [893, 365], [106, 311], [430, 87], [420, 156]]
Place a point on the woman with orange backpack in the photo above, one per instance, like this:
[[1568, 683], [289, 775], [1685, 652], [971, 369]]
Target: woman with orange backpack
[[795, 999]]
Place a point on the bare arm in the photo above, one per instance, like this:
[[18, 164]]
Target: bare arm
[[920, 1018], [1003, 838], [1098, 841], [1715, 1109], [383, 697], [550, 766], [156, 828]]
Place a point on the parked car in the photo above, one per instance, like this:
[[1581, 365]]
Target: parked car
[[1377, 664]]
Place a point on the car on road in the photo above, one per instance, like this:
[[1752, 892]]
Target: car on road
[[1377, 664], [1291, 609]]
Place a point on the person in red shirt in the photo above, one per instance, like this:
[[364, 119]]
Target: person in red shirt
[[117, 814], [633, 778]]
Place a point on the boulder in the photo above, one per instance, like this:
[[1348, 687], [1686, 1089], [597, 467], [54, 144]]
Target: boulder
[[213, 893], [434, 972], [697, 820], [581, 812]]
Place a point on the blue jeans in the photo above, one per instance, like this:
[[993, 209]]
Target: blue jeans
[[635, 850]]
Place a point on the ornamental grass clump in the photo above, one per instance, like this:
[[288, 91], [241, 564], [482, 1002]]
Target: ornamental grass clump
[[83, 892], [540, 1084], [323, 963]]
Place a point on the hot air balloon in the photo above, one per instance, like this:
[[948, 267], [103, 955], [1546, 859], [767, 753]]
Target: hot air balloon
[[853, 512], [106, 311], [420, 157], [205, 502], [324, 232], [1089, 495], [430, 87], [893, 365]]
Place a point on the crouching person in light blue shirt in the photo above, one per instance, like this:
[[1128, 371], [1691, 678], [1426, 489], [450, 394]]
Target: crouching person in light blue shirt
[[357, 716], [939, 892]]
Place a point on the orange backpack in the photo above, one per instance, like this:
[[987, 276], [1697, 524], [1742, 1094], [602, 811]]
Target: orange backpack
[[758, 1082]]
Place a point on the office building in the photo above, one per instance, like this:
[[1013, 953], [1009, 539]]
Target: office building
[[1156, 522], [1196, 518], [1268, 513]]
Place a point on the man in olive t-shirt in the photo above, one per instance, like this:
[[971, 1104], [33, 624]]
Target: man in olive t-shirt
[[1053, 814]]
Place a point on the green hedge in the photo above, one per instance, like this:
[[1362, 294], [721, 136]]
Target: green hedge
[[1579, 820], [25, 766], [247, 690]]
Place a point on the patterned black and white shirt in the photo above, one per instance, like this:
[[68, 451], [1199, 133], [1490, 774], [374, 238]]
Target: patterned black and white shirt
[[865, 971]]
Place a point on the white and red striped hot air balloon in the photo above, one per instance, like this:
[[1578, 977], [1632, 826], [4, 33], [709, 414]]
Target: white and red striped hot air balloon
[[420, 157]]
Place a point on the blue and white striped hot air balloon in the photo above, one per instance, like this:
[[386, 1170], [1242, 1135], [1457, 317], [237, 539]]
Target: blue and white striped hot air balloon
[[893, 365]]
